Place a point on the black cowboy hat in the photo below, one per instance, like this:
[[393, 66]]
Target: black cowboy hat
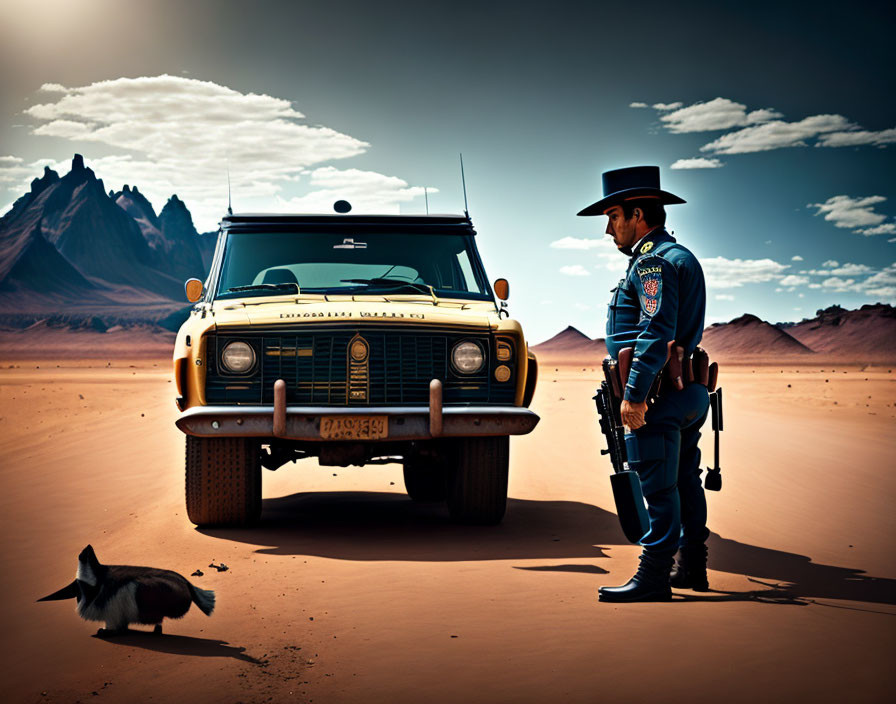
[[626, 184]]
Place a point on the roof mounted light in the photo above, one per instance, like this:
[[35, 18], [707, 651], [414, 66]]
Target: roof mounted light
[[342, 206]]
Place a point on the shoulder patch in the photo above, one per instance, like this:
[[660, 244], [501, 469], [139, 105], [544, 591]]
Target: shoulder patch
[[652, 288], [646, 247]]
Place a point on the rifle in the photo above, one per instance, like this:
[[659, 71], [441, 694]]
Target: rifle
[[627, 492], [713, 480]]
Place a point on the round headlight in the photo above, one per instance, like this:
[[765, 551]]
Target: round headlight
[[238, 357], [467, 357]]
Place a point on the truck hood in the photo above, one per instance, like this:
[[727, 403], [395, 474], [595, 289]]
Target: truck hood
[[267, 312]]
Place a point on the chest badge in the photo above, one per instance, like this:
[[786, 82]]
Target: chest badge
[[646, 247]]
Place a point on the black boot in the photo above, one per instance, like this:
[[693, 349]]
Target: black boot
[[650, 583], [689, 571]]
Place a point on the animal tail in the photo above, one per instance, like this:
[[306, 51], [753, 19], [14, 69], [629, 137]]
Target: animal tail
[[204, 599]]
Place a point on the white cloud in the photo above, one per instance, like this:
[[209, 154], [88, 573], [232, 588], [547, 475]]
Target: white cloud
[[603, 249], [777, 134], [857, 138], [835, 283], [882, 293], [763, 129], [698, 163], [574, 270], [796, 258], [637, 105], [579, 243], [716, 114], [174, 134], [578, 305], [794, 280], [832, 268], [18, 174], [367, 191], [887, 228], [721, 272], [724, 297], [831, 262], [849, 269], [881, 285], [851, 213]]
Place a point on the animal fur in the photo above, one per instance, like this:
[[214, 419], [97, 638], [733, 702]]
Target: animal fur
[[120, 595]]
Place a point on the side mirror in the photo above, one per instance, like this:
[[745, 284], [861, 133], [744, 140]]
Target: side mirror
[[502, 289], [193, 288]]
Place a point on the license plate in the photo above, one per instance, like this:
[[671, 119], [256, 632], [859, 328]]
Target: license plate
[[354, 427]]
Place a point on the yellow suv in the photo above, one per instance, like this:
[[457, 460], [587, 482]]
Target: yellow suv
[[355, 339]]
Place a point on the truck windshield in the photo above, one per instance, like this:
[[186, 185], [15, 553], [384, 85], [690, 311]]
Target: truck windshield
[[265, 264]]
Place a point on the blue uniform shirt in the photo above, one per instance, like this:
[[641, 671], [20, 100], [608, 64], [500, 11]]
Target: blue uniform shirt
[[661, 298]]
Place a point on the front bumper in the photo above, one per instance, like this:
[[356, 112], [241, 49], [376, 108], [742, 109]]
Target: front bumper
[[404, 423]]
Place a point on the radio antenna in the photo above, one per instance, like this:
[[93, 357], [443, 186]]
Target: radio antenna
[[463, 181], [229, 209], [426, 198]]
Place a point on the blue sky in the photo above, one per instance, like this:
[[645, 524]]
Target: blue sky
[[786, 107]]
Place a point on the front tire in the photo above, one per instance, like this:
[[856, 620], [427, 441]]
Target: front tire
[[425, 480], [223, 481], [477, 486]]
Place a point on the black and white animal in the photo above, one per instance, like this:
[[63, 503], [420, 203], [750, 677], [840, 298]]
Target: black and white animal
[[122, 594]]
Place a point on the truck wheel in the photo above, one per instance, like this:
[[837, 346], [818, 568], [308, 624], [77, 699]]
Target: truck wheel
[[477, 487], [425, 480], [223, 481]]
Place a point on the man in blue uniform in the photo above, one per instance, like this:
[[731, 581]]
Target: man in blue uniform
[[662, 298]]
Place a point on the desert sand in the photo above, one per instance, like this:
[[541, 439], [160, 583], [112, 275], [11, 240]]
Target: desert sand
[[347, 591]]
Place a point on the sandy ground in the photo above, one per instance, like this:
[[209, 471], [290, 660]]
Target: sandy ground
[[348, 591]]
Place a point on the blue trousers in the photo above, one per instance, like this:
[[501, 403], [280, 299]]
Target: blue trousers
[[665, 455]]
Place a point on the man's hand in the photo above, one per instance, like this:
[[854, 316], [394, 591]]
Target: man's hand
[[633, 414]]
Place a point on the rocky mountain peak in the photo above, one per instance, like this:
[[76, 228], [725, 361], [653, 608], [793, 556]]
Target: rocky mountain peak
[[81, 174], [746, 319], [48, 179], [176, 215]]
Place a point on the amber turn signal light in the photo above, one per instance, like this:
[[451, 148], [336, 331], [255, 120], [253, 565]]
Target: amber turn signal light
[[504, 352], [502, 373], [193, 288]]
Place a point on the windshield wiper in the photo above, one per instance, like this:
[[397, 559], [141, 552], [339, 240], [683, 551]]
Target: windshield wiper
[[265, 287], [395, 284], [390, 283]]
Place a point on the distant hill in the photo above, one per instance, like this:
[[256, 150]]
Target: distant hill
[[863, 335], [574, 344], [748, 336], [870, 330]]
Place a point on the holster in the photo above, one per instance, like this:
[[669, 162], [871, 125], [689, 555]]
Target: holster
[[678, 371]]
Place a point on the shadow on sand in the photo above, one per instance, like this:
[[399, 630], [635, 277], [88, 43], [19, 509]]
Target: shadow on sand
[[181, 645], [367, 526]]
